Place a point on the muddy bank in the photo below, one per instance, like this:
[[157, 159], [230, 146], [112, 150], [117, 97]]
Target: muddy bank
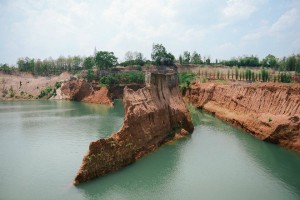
[[153, 115], [270, 112]]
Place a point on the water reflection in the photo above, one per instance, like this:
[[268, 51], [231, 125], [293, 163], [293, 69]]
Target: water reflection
[[272, 159], [154, 172]]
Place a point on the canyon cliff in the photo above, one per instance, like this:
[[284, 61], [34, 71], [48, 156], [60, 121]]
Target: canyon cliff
[[268, 111], [154, 115], [80, 90]]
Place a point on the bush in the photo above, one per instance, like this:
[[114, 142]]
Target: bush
[[285, 77], [123, 78], [108, 80], [58, 84], [90, 75], [185, 80], [46, 92], [131, 77]]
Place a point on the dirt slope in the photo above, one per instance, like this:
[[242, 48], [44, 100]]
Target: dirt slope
[[270, 112]]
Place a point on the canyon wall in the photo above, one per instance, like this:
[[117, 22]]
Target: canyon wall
[[268, 111], [80, 90], [154, 115]]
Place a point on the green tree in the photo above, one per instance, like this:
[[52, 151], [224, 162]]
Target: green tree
[[291, 63], [133, 58], [180, 59], [105, 60], [90, 75], [186, 57], [88, 62], [196, 58], [160, 56], [264, 75], [208, 61], [270, 61], [185, 80]]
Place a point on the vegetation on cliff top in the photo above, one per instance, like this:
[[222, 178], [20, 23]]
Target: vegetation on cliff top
[[123, 78], [104, 60]]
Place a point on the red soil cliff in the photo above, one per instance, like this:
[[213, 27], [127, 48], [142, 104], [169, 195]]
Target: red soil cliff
[[80, 90], [153, 115], [270, 112]]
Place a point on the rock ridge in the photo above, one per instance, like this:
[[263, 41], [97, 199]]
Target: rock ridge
[[154, 115]]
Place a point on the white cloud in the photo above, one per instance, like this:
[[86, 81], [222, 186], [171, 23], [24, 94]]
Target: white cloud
[[74, 27], [287, 21], [240, 9]]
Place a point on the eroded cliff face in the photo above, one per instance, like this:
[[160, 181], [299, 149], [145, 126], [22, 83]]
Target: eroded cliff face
[[270, 112], [80, 90], [153, 115]]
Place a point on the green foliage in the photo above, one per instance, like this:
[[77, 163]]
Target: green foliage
[[285, 77], [105, 60], [58, 84], [50, 66], [185, 79], [88, 62], [186, 57], [270, 61], [264, 75], [196, 58], [46, 92], [131, 77], [6, 69], [160, 56], [133, 58], [248, 74], [109, 80], [123, 78], [236, 73], [245, 61], [90, 75]]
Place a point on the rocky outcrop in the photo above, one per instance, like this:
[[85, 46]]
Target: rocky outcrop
[[270, 112], [153, 115], [116, 91], [80, 90]]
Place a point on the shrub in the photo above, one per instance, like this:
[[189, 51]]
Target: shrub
[[46, 91], [108, 80], [185, 80], [58, 84], [123, 78], [285, 77], [131, 77]]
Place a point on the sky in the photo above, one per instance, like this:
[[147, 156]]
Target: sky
[[220, 29]]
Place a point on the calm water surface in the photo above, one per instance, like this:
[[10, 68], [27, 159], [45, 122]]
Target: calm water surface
[[42, 144]]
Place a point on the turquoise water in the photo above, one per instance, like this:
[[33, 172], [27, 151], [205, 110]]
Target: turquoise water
[[42, 144]]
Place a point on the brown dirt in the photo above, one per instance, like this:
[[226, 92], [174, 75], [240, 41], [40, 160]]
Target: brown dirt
[[269, 111], [25, 85], [80, 90], [100, 96], [153, 116]]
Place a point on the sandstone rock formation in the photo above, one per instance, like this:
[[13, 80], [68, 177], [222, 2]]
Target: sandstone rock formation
[[153, 115], [80, 90], [270, 112]]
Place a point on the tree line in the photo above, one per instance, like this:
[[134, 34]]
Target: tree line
[[245, 74], [104, 60]]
